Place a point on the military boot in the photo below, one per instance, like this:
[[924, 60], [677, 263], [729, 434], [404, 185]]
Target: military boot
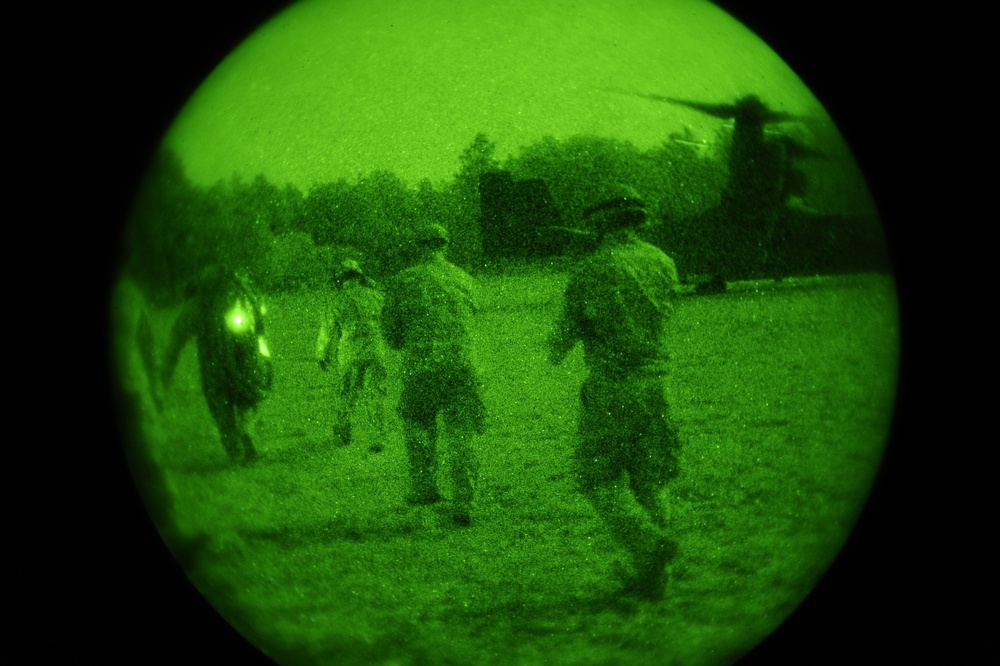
[[232, 445], [249, 450], [651, 580], [464, 469]]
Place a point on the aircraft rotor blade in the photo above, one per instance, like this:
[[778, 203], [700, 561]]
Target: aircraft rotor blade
[[749, 104], [717, 110]]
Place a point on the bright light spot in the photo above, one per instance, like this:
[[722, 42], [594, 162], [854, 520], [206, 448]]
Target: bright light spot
[[239, 320]]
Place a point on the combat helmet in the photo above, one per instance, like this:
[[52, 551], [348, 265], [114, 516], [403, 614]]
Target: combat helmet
[[349, 269], [431, 235], [617, 207]]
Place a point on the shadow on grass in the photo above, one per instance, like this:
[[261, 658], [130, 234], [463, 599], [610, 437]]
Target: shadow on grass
[[341, 528]]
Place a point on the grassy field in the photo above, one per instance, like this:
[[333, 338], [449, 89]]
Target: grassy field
[[783, 393]]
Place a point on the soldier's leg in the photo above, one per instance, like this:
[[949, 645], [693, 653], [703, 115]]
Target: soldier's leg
[[225, 417], [604, 454], [244, 418], [230, 436], [344, 408], [598, 463], [464, 418], [374, 395], [629, 528], [649, 550], [463, 469], [147, 353], [652, 463], [354, 384], [657, 553], [418, 407], [649, 497], [421, 453]]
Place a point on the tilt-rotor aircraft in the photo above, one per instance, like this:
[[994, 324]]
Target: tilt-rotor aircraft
[[736, 239]]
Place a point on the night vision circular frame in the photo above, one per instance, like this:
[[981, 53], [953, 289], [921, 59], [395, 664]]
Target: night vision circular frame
[[338, 129]]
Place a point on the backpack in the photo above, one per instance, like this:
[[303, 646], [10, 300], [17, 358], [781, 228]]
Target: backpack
[[246, 355]]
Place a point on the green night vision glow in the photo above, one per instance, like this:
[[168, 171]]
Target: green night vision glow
[[239, 320], [298, 473]]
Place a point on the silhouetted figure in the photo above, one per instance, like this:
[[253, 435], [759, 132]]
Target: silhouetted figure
[[140, 406], [617, 304], [225, 315], [428, 314], [350, 342]]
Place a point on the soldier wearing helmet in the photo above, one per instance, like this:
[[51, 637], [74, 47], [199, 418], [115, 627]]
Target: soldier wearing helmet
[[350, 342], [429, 316], [226, 316], [617, 304]]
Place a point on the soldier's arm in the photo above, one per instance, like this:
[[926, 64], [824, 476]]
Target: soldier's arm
[[674, 282], [181, 332], [568, 330], [329, 333], [474, 295], [560, 342], [147, 352]]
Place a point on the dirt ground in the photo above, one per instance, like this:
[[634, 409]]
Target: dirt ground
[[783, 393]]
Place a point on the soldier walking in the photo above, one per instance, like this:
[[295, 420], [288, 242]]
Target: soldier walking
[[617, 304], [428, 314], [225, 315], [350, 341]]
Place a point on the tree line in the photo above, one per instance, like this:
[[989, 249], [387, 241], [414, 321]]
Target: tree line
[[287, 239]]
